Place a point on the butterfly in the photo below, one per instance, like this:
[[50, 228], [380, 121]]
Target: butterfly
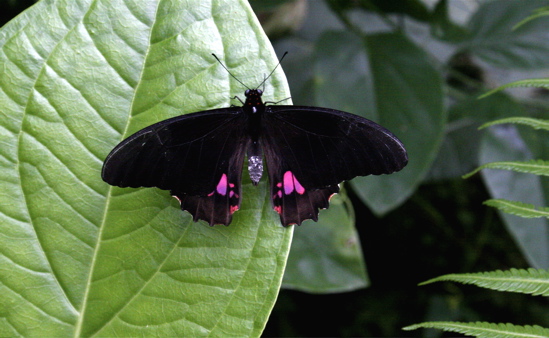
[[308, 152]]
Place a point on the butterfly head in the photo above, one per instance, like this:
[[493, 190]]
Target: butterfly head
[[249, 92], [253, 99]]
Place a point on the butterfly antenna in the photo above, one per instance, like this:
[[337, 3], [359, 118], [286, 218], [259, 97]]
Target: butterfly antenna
[[228, 71], [271, 73]]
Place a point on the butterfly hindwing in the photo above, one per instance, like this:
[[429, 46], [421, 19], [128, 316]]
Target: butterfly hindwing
[[310, 150], [293, 202], [198, 157], [218, 206]]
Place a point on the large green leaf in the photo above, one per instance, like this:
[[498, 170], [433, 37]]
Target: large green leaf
[[82, 258]]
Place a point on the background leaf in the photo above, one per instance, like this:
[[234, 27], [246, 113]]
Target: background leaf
[[367, 80], [495, 41], [326, 257], [83, 258], [459, 152], [415, 113]]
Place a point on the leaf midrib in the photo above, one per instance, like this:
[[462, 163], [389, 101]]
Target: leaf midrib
[[80, 322]]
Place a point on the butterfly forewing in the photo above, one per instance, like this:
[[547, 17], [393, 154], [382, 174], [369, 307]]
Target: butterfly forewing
[[198, 157], [329, 146]]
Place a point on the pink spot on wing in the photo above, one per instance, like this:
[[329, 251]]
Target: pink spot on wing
[[278, 209], [234, 208], [298, 187], [222, 185], [291, 183], [288, 182], [279, 193], [279, 184]]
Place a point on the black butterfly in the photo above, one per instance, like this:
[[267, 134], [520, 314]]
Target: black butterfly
[[308, 152]]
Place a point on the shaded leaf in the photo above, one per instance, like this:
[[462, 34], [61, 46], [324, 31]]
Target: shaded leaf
[[494, 40], [413, 8], [459, 151], [326, 257], [409, 101], [388, 80], [442, 26]]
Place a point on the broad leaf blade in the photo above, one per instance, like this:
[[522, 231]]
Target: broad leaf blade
[[34, 300], [83, 258]]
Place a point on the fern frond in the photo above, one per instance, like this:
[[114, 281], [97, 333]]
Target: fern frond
[[531, 281], [518, 208], [485, 330], [540, 83], [528, 121], [537, 167], [540, 12]]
